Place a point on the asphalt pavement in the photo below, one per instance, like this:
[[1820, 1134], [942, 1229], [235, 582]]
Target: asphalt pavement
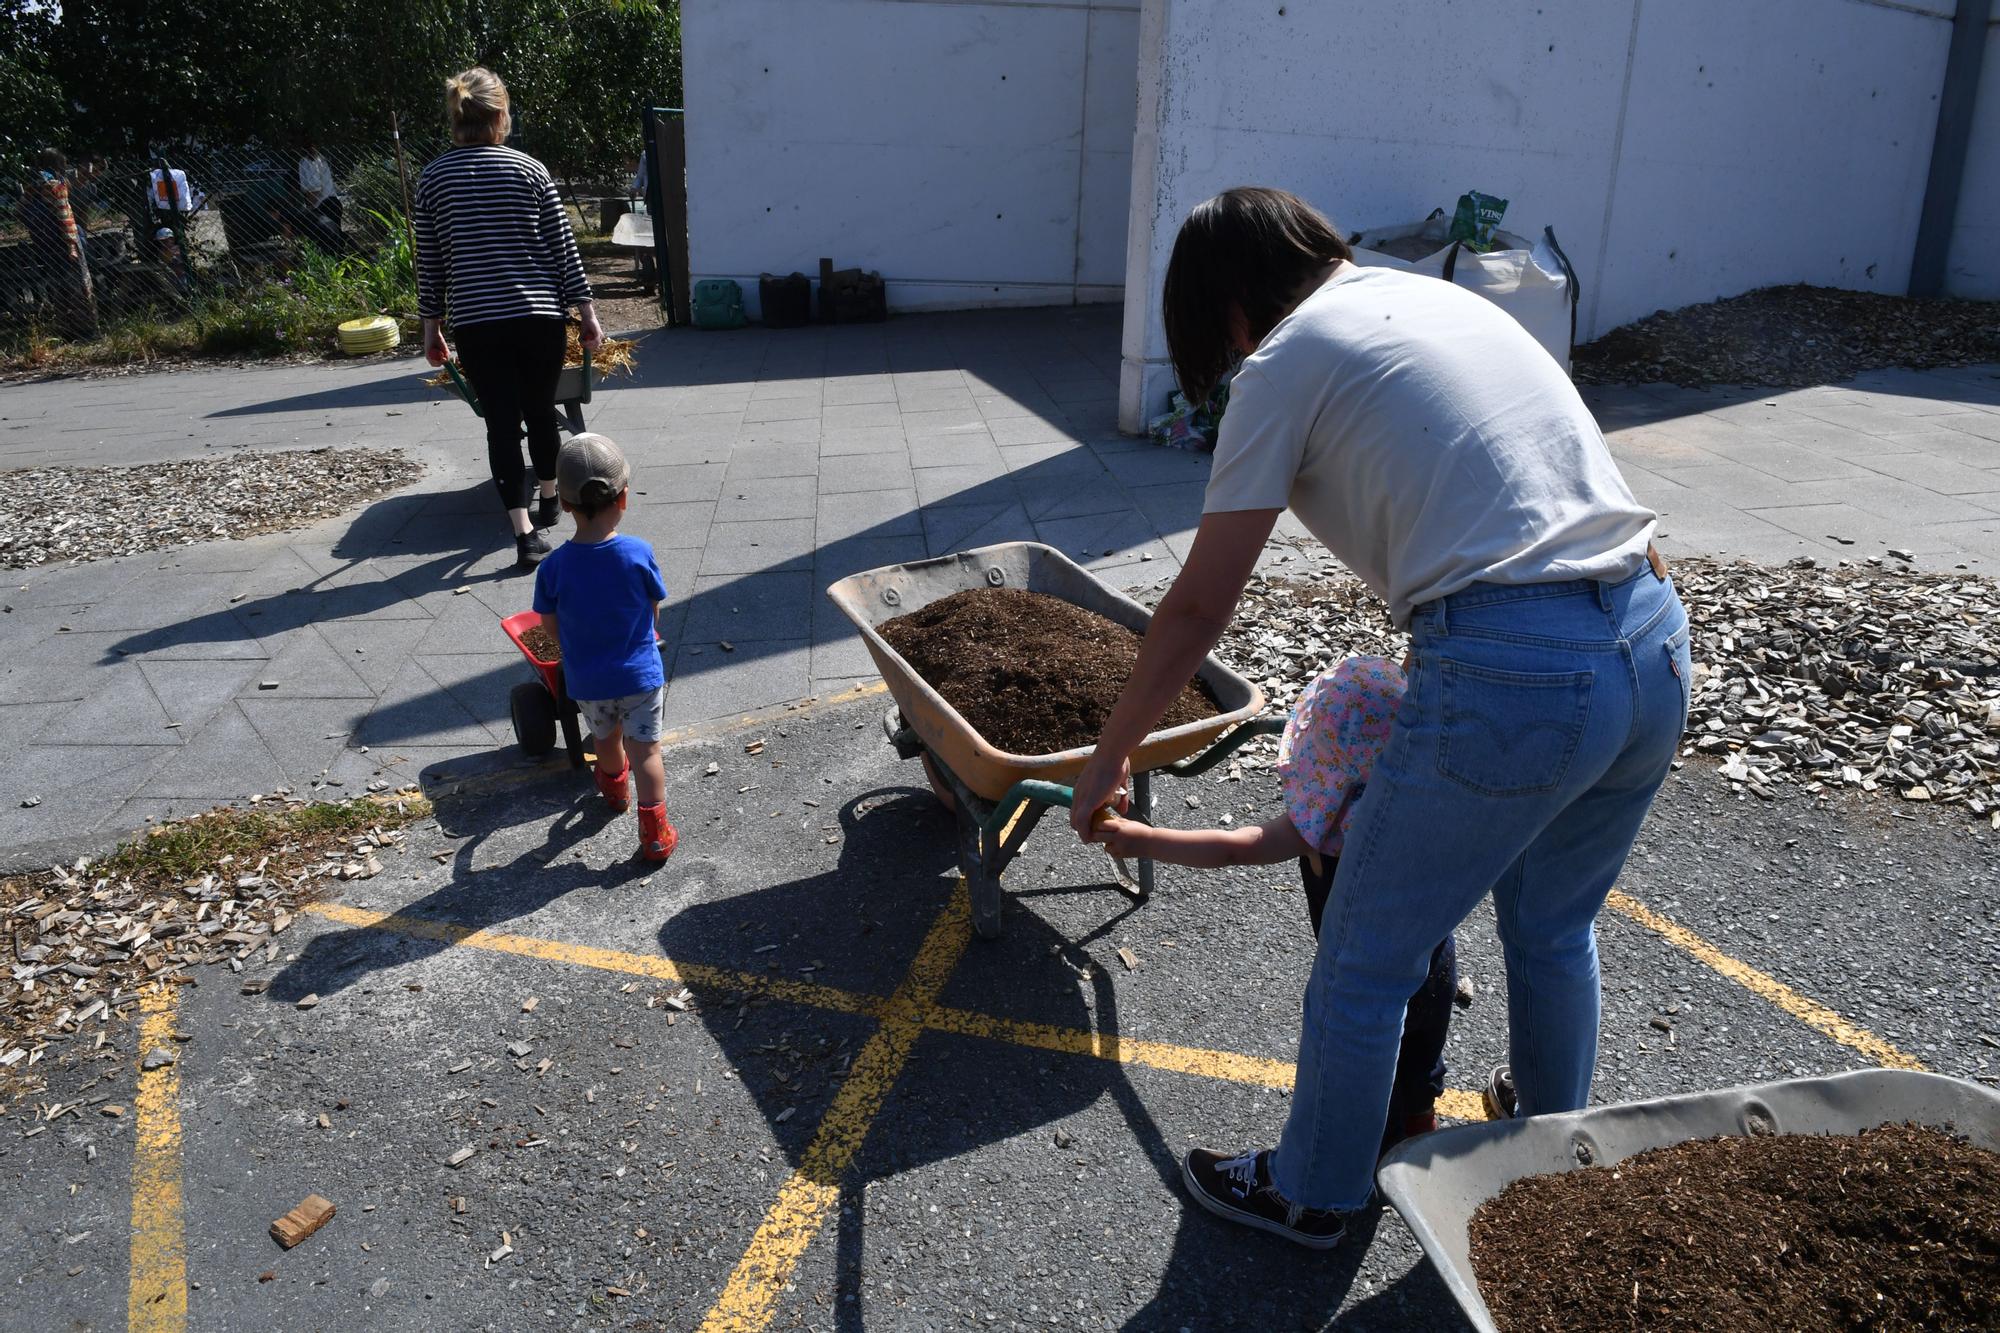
[[778, 1083]]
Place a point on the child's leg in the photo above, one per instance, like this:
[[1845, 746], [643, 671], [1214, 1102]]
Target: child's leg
[[610, 746], [649, 775]]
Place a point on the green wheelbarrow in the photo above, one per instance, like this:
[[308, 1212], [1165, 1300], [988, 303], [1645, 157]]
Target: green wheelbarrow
[[572, 391], [998, 798]]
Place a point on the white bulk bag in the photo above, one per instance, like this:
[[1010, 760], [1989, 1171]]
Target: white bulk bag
[[1532, 281]]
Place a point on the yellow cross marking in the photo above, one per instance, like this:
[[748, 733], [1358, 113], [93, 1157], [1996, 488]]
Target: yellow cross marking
[[156, 1299]]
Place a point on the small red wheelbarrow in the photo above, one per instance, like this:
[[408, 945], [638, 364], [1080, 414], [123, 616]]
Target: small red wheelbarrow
[[541, 705]]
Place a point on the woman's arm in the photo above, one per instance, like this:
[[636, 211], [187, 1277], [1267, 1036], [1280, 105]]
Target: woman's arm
[[1191, 618], [575, 287]]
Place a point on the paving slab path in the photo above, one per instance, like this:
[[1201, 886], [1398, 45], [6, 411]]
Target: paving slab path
[[767, 464]]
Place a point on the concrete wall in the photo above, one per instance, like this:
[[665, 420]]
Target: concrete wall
[[1973, 268], [976, 152], [1682, 149]]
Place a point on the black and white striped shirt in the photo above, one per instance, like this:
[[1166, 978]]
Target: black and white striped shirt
[[492, 239]]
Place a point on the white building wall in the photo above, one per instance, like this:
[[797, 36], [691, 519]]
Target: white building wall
[[976, 152], [1682, 149], [1973, 268]]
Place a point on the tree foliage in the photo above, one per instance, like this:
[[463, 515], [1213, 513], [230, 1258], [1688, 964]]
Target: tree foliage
[[123, 76]]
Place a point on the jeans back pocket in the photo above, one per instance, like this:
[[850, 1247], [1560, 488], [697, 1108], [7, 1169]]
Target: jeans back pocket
[[1510, 733]]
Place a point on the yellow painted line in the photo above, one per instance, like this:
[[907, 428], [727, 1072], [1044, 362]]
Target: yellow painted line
[[760, 1278], [1227, 1066], [604, 960], [1765, 986], [157, 1295]]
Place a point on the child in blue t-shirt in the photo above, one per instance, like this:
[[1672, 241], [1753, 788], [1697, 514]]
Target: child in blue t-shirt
[[599, 593]]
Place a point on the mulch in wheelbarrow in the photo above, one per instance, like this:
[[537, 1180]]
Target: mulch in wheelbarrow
[[544, 645], [1895, 1228], [1032, 673]]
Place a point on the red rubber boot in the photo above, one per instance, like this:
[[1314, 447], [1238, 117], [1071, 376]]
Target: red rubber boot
[[657, 838], [615, 788]]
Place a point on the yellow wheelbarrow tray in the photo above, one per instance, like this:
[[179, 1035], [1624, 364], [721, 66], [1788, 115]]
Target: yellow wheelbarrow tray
[[998, 797]]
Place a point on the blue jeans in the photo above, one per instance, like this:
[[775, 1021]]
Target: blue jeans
[[1539, 722]]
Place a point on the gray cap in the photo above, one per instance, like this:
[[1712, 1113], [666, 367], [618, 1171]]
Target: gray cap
[[590, 472]]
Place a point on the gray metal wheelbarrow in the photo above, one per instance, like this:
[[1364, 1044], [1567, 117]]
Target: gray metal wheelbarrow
[[1438, 1181], [999, 797]]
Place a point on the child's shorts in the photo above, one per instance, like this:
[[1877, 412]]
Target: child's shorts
[[1337, 729], [642, 715]]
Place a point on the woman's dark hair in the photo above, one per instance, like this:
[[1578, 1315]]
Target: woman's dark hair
[[51, 160], [1250, 247]]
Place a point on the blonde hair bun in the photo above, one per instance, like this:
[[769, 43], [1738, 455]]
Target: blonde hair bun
[[476, 103]]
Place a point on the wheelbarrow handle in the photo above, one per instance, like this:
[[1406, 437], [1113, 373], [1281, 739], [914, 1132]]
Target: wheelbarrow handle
[[1020, 794], [464, 389], [1228, 745]]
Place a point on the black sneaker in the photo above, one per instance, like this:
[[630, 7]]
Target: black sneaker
[[1499, 1095], [547, 510], [1240, 1189], [529, 549]]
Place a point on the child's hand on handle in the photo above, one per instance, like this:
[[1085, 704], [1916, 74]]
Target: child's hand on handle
[[1123, 838], [1106, 781], [592, 335], [436, 350]]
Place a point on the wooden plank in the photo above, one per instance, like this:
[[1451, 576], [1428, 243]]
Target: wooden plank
[[302, 1221]]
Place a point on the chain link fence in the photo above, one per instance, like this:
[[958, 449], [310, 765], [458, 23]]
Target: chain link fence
[[112, 249]]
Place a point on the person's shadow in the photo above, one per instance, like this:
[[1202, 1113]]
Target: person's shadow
[[470, 900], [958, 1094]]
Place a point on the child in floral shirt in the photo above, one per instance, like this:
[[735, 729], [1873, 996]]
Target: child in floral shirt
[[1336, 731]]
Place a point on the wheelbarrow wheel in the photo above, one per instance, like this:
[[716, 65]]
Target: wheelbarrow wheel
[[534, 712]]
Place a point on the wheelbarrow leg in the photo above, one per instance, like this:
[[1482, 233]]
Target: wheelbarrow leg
[[982, 878], [567, 710], [573, 411]]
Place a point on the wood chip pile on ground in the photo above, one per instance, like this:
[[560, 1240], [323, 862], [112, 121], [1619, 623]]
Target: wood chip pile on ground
[[84, 939], [54, 514], [1791, 337], [1860, 675]]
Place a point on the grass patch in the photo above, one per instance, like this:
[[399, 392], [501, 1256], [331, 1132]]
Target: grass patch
[[188, 848]]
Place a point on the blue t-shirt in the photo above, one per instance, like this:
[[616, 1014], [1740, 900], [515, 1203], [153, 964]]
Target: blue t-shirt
[[602, 597]]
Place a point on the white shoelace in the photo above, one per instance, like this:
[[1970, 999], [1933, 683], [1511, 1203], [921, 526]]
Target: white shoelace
[[1242, 1170]]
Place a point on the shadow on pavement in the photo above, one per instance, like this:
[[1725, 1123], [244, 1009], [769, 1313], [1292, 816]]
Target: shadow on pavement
[[950, 1100], [475, 900]]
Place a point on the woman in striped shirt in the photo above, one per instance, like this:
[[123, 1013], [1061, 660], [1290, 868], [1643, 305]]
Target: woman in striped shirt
[[495, 253]]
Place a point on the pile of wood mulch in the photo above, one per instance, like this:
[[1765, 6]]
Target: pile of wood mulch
[[1896, 1228], [1032, 673], [1791, 337], [49, 515]]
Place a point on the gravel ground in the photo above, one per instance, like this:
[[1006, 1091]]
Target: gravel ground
[[49, 515], [1792, 337]]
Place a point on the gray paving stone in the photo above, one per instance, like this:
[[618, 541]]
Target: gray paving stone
[[963, 484], [1939, 474], [845, 442], [869, 514], [748, 548], [944, 421], [705, 685], [1106, 541], [678, 484], [310, 667], [305, 736], [845, 657], [848, 473], [750, 607], [78, 786], [968, 449], [224, 762], [1870, 533], [1172, 508], [1980, 538], [760, 499], [1950, 443], [803, 431], [782, 409], [773, 460], [963, 527], [415, 709], [1069, 487], [855, 416], [480, 683], [856, 389], [670, 526], [1156, 467]]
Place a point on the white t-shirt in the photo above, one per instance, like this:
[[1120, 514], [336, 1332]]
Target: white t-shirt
[[1428, 441]]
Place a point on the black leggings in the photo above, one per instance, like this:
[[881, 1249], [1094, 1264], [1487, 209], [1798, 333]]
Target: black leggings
[[513, 365], [1420, 1067]]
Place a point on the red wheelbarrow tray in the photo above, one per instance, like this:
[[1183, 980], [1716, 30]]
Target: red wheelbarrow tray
[[877, 595], [520, 623]]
